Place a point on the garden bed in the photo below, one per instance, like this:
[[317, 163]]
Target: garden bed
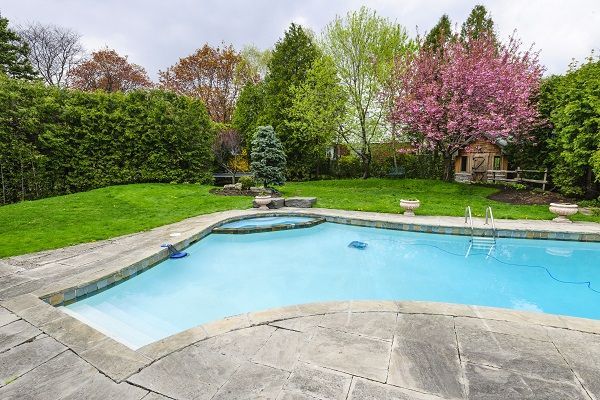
[[247, 192], [528, 197]]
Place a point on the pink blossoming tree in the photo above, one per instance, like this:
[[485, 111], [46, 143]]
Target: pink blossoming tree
[[465, 92]]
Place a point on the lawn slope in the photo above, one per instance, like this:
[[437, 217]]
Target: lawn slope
[[104, 213], [437, 197]]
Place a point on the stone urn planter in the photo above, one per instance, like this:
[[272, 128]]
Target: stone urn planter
[[563, 211], [262, 202], [409, 206]]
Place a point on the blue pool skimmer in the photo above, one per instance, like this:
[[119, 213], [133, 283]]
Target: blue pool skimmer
[[173, 252]]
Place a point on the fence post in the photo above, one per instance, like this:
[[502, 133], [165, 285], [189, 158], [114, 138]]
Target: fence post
[[518, 174], [545, 179]]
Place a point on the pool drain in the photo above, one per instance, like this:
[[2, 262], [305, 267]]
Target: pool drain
[[358, 245]]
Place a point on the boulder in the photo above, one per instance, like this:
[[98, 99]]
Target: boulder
[[300, 202], [276, 202], [237, 186]]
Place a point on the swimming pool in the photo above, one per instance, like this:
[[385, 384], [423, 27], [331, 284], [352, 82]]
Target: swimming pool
[[227, 275]]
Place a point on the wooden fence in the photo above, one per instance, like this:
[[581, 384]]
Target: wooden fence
[[517, 176]]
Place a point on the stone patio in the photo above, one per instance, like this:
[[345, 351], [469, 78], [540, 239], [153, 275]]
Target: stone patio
[[342, 350]]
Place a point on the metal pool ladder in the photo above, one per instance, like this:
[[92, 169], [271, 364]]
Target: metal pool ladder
[[486, 243]]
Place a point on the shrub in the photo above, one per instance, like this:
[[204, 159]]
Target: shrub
[[55, 141], [348, 166], [247, 182]]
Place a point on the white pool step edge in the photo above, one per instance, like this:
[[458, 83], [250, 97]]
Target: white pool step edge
[[119, 330]]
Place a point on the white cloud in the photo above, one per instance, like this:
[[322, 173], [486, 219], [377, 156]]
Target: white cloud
[[155, 34]]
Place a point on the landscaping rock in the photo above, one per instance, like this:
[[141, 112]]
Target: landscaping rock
[[260, 190], [300, 202], [276, 202], [237, 186]]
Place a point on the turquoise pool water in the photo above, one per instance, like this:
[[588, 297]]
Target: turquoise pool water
[[227, 275]]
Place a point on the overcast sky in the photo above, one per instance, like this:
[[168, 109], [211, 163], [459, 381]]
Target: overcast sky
[[155, 33]]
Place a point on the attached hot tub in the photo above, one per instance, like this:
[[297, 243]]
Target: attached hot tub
[[268, 224]]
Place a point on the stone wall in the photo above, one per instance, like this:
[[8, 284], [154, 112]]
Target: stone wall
[[462, 177]]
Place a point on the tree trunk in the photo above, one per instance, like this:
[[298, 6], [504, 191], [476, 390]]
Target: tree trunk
[[3, 186], [366, 163], [448, 168], [35, 182], [365, 152], [588, 181], [22, 182], [394, 146]]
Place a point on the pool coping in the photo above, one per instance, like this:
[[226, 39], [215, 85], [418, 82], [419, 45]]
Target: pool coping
[[118, 361]]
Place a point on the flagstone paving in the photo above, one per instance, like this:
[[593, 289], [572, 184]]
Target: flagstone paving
[[355, 350], [427, 356]]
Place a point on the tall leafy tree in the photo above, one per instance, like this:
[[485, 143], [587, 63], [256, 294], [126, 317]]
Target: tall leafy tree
[[268, 157], [363, 47], [479, 92], [248, 110], [533, 151], [292, 57], [13, 53], [216, 75], [256, 60], [107, 70], [316, 115], [574, 112]]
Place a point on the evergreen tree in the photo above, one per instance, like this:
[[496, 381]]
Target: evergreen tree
[[478, 23], [13, 53], [268, 157], [439, 34], [292, 58]]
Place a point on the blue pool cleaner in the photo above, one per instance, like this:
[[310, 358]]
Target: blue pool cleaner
[[173, 253], [358, 245]]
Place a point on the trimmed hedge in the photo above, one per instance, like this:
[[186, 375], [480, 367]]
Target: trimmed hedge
[[56, 141]]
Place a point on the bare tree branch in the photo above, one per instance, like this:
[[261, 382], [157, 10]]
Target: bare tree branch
[[54, 51]]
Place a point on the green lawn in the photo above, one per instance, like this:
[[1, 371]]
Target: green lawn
[[118, 210], [103, 213], [437, 197]]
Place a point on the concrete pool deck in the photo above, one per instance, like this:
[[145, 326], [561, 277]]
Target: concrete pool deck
[[342, 350]]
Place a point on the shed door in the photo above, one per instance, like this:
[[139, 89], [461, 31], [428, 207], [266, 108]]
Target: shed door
[[480, 164]]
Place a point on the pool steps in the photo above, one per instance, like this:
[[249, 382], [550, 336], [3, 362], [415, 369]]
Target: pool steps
[[122, 329]]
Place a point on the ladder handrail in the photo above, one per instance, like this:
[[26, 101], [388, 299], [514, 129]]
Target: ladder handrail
[[490, 215], [477, 241], [469, 218]]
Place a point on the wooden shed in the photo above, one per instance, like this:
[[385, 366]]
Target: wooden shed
[[472, 163]]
